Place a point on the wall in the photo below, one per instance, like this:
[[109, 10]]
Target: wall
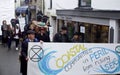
[[57, 4], [17, 4], [106, 4], [60, 4], [5, 7]]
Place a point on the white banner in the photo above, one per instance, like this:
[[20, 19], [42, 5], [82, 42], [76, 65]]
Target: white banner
[[73, 59]]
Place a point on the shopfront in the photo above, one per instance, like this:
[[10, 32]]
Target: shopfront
[[95, 26], [90, 33], [94, 33]]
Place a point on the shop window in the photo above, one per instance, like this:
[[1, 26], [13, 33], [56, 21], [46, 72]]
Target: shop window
[[71, 29], [96, 33]]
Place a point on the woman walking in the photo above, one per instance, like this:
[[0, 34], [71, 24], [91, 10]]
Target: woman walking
[[9, 36], [4, 32]]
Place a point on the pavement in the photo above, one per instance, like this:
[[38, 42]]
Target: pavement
[[9, 63]]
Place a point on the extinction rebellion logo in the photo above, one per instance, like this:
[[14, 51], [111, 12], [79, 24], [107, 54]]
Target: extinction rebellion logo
[[36, 53]]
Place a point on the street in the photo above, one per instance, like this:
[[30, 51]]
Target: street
[[9, 63]]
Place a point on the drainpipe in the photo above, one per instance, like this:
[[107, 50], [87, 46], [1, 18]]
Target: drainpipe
[[43, 7]]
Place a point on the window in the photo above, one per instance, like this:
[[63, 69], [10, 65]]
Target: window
[[84, 3]]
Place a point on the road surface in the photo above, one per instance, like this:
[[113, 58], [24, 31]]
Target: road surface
[[9, 63]]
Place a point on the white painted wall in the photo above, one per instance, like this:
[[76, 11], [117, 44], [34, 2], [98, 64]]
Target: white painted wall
[[7, 11], [17, 4], [60, 4], [106, 4], [57, 4]]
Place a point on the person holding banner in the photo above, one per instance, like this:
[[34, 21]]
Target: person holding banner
[[24, 48]]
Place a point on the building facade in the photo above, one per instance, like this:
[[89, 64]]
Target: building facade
[[95, 24], [105, 4], [50, 10], [17, 3], [35, 6]]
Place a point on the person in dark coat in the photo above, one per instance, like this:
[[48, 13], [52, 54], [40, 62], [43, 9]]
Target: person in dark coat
[[61, 36], [76, 38], [24, 48], [43, 35], [4, 32], [9, 36]]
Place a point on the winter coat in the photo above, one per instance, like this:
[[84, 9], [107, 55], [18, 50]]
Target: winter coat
[[60, 38], [24, 54]]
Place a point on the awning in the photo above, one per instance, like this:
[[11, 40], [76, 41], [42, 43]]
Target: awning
[[21, 9]]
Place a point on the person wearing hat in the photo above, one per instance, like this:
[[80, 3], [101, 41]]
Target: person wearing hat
[[61, 36], [24, 48], [43, 35]]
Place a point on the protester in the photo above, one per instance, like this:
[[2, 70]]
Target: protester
[[32, 27], [23, 57], [76, 38], [4, 32], [14, 21], [17, 33], [61, 36], [43, 35], [9, 36]]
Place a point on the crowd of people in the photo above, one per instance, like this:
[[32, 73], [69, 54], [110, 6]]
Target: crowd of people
[[9, 34], [32, 33]]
